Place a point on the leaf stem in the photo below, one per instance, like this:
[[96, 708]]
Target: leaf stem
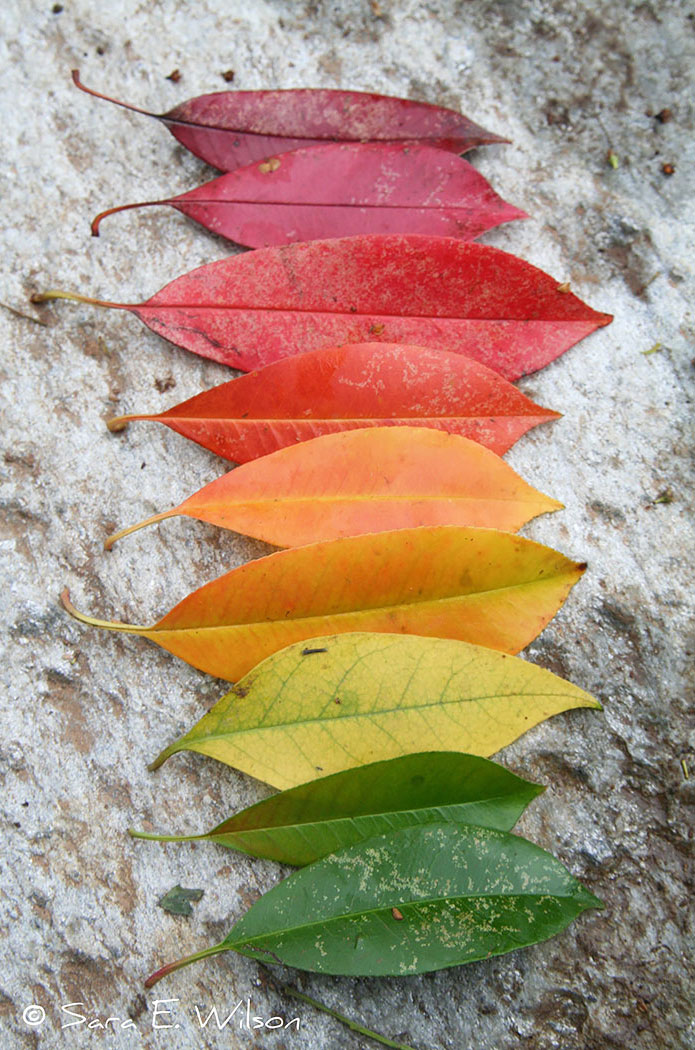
[[354, 1026], [152, 837], [164, 971], [120, 207], [161, 758], [90, 91], [92, 621], [56, 293], [110, 540], [118, 423]]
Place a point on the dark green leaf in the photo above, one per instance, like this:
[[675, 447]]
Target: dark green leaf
[[310, 821], [464, 893]]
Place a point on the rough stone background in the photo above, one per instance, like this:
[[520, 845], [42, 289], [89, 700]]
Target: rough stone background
[[85, 711]]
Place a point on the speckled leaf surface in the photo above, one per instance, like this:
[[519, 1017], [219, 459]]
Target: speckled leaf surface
[[416, 900], [249, 310], [344, 388], [478, 585], [357, 698], [310, 821]]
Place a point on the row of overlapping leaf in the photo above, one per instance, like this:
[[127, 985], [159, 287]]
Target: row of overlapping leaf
[[377, 649]]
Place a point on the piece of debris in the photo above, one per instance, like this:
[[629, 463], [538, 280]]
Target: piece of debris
[[613, 159], [174, 76], [228, 75], [179, 899], [664, 115], [652, 349], [668, 169]]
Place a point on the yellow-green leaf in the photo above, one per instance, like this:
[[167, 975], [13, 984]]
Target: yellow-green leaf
[[349, 699]]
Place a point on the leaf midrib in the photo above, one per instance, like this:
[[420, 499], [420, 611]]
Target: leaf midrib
[[400, 709], [352, 612], [289, 930], [270, 828], [376, 312]]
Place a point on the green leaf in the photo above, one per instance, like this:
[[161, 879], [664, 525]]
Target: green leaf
[[416, 900], [310, 821], [178, 900], [341, 701]]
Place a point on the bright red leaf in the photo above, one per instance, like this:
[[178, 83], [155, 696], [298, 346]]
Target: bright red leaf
[[249, 310]]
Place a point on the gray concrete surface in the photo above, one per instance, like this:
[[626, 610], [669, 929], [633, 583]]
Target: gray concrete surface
[[85, 711]]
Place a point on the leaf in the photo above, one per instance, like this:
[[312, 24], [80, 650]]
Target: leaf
[[339, 190], [364, 481], [230, 129], [249, 310], [310, 821], [477, 585], [178, 900], [350, 699], [369, 384], [464, 892]]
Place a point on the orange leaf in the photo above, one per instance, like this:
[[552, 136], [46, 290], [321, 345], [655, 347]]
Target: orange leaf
[[343, 388], [478, 585], [364, 481]]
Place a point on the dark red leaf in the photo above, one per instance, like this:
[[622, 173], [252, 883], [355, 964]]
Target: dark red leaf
[[345, 388], [230, 129], [341, 189], [249, 310]]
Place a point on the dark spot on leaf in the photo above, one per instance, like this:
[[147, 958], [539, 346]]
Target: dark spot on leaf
[[309, 652]]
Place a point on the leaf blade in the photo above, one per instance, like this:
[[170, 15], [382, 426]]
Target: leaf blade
[[340, 190], [249, 310], [360, 481], [358, 698], [477, 585], [307, 822], [368, 384], [464, 893]]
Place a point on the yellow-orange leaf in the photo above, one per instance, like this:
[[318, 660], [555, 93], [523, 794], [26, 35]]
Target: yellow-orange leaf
[[477, 585], [365, 481], [355, 698]]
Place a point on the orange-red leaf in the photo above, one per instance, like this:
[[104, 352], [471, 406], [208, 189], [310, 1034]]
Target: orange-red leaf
[[343, 388], [478, 585], [365, 481]]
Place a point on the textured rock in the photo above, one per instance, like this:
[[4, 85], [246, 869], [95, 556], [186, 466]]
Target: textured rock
[[85, 711]]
